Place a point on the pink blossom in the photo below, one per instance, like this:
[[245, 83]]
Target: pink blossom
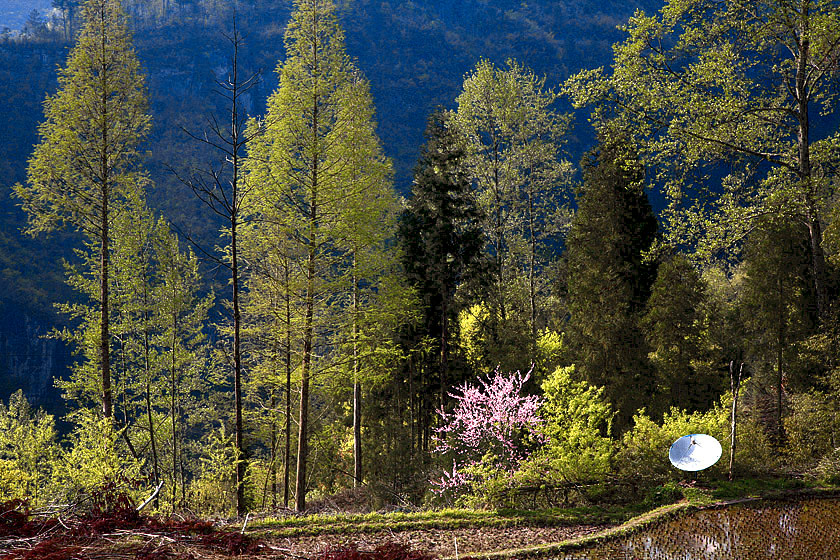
[[490, 420]]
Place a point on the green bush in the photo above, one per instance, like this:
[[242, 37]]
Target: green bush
[[28, 451], [809, 429], [827, 470], [214, 490], [643, 453], [97, 457]]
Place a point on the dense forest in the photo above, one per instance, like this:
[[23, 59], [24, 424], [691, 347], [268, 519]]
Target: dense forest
[[271, 300]]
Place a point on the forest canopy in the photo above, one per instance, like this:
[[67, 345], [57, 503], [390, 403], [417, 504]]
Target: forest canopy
[[517, 326]]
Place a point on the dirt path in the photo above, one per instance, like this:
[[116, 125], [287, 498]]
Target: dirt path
[[438, 543]]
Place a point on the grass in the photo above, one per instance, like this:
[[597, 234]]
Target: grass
[[661, 503], [348, 524]]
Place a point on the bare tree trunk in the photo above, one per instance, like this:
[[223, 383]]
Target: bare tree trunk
[[105, 342], [288, 429], [735, 385], [357, 388]]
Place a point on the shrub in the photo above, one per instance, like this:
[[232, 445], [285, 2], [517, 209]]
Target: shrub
[[577, 418], [490, 431], [213, 491], [96, 458], [809, 428], [643, 453], [27, 451]]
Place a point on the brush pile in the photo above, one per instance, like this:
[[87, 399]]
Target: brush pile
[[107, 524]]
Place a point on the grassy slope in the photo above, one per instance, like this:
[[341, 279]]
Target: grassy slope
[[621, 520]]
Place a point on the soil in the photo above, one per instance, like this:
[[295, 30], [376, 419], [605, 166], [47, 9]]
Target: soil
[[439, 543]]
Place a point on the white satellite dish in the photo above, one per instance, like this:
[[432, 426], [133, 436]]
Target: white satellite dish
[[695, 452]]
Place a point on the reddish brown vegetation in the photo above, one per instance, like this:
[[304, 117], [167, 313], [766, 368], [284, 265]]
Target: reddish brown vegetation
[[26, 537], [387, 551]]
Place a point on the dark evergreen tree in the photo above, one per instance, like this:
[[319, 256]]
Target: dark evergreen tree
[[609, 280], [780, 311], [439, 234], [673, 325]]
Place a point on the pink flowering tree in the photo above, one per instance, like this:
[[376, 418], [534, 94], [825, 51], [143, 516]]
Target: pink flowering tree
[[490, 431]]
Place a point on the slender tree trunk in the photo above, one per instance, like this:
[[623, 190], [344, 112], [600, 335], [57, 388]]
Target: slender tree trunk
[[105, 342], [272, 472], [152, 439], [237, 374], [236, 143], [735, 385], [308, 330], [532, 263], [412, 429], [148, 374], [805, 170], [444, 340], [303, 419], [172, 405], [288, 429], [780, 352], [357, 388]]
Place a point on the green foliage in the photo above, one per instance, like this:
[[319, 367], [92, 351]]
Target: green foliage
[[673, 324], [608, 279], [810, 430], [779, 310], [98, 112], [87, 161], [214, 489], [28, 451], [701, 85], [643, 452], [318, 172], [513, 137], [97, 455], [577, 420], [440, 243]]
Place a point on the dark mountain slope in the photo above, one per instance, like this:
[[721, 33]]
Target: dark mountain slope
[[414, 53]]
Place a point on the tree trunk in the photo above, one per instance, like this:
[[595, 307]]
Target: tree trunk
[[237, 376], [173, 400], [805, 170], [780, 352], [735, 385], [105, 342], [288, 428], [357, 388], [308, 331]]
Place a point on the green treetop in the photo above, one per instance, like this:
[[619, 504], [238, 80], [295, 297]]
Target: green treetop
[[87, 158], [324, 186], [744, 89]]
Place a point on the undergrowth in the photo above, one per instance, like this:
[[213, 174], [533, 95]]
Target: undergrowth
[[28, 537], [310, 525]]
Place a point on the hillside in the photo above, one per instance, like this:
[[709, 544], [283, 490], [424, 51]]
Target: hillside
[[414, 53]]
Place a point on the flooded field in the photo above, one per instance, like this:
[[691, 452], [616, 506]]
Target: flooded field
[[807, 530]]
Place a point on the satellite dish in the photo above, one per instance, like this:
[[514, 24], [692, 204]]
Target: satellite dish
[[695, 452]]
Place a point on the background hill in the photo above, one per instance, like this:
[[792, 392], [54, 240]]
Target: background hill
[[415, 55]]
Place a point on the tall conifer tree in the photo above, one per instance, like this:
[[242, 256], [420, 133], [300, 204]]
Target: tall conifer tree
[[87, 158], [439, 232], [609, 282], [323, 179]]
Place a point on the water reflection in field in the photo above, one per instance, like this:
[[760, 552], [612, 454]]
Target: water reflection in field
[[806, 530]]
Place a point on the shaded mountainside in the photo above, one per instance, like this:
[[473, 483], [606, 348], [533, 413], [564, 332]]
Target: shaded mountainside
[[415, 55]]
